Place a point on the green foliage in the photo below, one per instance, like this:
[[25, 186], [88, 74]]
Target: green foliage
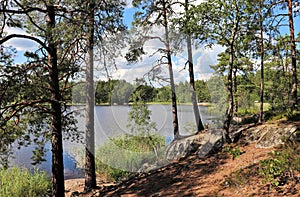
[[140, 116], [271, 169], [278, 170], [121, 92], [282, 115], [281, 166], [17, 182], [126, 154], [235, 152], [122, 155], [118, 91]]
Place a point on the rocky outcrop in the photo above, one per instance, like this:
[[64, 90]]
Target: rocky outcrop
[[211, 141], [266, 135], [203, 144]]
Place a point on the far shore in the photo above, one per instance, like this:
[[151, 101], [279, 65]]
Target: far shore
[[202, 104]]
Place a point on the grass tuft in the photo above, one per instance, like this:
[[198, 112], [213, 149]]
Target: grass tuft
[[16, 182]]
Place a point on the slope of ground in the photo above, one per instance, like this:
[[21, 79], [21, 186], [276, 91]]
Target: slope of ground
[[192, 176]]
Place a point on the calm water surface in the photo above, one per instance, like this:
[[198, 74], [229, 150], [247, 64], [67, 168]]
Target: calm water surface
[[111, 121]]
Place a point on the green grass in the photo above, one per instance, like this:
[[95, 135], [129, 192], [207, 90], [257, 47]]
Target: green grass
[[16, 182], [253, 110], [122, 155]]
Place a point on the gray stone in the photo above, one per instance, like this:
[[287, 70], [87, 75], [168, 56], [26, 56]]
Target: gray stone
[[213, 143], [273, 136], [203, 144], [146, 167]]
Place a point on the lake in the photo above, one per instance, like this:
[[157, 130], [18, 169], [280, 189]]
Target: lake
[[111, 121]]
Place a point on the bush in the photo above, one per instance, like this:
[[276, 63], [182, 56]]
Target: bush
[[17, 182], [234, 152], [122, 155], [282, 164]]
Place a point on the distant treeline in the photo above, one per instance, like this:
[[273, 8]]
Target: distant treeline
[[213, 90], [120, 92]]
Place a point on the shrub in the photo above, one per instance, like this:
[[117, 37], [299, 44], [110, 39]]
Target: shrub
[[282, 164], [234, 152], [122, 155], [16, 182]]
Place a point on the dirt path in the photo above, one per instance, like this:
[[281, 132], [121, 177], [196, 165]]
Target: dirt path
[[186, 177]]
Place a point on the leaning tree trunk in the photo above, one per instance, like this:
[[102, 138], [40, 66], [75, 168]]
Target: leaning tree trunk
[[167, 45], [294, 63], [198, 120], [90, 175], [56, 122]]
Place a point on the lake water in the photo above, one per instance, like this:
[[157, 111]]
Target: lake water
[[111, 121]]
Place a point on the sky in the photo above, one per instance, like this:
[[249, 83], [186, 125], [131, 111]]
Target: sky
[[203, 57]]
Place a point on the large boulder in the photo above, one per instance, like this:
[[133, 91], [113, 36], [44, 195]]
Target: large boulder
[[203, 144]]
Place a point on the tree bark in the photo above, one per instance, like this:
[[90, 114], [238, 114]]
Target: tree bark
[[293, 48], [198, 120], [236, 106], [90, 175], [262, 54], [167, 45], [230, 96], [56, 122]]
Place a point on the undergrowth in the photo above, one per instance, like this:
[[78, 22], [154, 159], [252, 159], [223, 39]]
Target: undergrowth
[[280, 171], [15, 182], [235, 152], [121, 156]]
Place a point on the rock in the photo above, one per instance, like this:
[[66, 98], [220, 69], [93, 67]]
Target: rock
[[203, 144], [237, 131], [213, 143], [253, 134], [146, 167], [273, 136], [183, 146]]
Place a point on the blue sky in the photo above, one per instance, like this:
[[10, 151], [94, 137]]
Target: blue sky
[[203, 57]]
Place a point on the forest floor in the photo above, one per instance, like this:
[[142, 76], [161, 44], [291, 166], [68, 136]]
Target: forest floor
[[218, 175]]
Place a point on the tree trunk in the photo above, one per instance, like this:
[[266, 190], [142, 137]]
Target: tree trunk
[[56, 124], [90, 175], [174, 102], [293, 48], [229, 111], [230, 96], [262, 53], [198, 120], [236, 107]]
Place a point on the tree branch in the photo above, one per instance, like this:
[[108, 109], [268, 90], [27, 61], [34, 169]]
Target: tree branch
[[11, 36]]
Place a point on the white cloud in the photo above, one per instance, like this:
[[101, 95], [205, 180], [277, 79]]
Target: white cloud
[[205, 57], [128, 3], [19, 43]]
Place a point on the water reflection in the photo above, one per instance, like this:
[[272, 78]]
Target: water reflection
[[111, 121]]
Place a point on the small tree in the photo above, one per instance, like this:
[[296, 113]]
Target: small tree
[[140, 117], [156, 13]]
